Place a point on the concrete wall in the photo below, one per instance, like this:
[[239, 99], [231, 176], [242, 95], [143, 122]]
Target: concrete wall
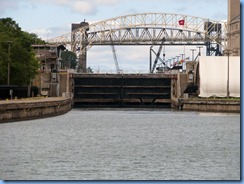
[[30, 109], [53, 89], [211, 105], [182, 82]]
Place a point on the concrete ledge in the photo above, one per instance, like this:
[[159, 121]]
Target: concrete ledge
[[210, 105], [17, 110]]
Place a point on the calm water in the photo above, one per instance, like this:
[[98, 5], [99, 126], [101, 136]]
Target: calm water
[[122, 144]]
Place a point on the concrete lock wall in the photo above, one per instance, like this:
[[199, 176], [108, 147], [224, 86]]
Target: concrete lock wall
[[210, 105], [30, 109]]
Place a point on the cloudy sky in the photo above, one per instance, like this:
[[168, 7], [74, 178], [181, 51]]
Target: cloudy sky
[[51, 18]]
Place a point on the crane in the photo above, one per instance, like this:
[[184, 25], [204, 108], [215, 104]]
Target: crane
[[162, 60], [157, 56], [115, 57]]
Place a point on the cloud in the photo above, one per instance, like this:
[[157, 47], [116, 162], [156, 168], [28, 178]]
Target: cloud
[[52, 32], [182, 9], [7, 4], [86, 7], [106, 2]]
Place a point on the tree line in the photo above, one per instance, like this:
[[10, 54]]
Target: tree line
[[16, 51]]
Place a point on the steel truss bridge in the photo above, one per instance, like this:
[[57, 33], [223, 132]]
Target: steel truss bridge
[[148, 29]]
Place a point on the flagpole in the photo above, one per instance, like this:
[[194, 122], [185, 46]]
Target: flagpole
[[182, 23], [184, 51], [184, 41]]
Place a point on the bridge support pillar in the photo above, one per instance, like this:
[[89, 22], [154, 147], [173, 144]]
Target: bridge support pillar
[[82, 56], [82, 60]]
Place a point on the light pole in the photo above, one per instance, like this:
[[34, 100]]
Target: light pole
[[193, 50], [178, 59], [199, 54], [173, 61], [228, 73], [169, 61], [150, 62], [228, 77], [182, 55]]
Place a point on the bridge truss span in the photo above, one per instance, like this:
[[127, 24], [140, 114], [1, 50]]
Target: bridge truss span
[[147, 29], [146, 36]]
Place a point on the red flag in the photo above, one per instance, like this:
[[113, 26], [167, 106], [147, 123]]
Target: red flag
[[182, 22]]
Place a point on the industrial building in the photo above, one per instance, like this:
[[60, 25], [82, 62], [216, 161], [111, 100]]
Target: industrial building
[[234, 27]]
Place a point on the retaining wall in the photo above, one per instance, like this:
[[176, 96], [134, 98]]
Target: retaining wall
[[16, 110], [210, 105]]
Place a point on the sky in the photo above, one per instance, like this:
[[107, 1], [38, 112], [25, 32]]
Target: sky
[[51, 18]]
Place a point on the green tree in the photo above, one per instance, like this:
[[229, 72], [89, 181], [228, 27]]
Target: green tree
[[68, 60], [24, 65], [89, 70]]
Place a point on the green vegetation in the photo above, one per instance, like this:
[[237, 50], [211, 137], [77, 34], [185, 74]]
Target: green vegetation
[[68, 60], [15, 46], [89, 70]]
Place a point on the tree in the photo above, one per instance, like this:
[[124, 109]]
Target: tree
[[89, 70], [24, 64], [68, 60]]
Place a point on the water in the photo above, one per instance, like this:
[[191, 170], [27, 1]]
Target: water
[[122, 144]]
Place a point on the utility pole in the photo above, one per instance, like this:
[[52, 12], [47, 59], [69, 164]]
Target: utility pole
[[9, 61]]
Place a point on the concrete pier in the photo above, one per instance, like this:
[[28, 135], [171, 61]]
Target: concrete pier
[[209, 105], [16, 110]]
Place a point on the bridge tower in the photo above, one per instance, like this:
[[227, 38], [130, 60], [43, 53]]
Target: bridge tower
[[213, 29], [76, 47], [234, 26]]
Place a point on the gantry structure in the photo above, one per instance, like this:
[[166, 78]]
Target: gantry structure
[[148, 29]]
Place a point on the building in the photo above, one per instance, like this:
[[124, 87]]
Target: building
[[234, 27], [47, 79]]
